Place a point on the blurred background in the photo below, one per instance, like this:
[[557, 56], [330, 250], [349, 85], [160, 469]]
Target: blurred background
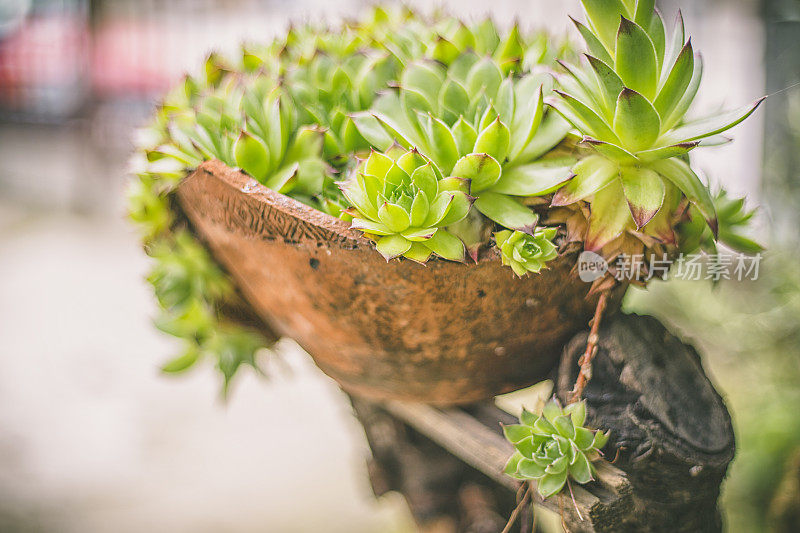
[[93, 438]]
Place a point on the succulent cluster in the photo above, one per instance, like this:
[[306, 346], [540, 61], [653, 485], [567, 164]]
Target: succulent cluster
[[526, 253], [629, 99], [554, 447], [431, 135], [403, 202]]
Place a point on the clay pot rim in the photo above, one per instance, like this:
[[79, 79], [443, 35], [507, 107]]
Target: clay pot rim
[[348, 238]]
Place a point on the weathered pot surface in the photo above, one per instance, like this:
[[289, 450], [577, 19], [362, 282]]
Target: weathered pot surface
[[444, 333]]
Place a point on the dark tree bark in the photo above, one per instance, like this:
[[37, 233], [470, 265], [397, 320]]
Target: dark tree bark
[[671, 427]]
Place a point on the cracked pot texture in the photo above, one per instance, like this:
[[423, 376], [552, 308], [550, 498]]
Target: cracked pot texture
[[445, 333]]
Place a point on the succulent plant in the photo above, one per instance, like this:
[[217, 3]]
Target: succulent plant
[[526, 253], [629, 100], [733, 218], [554, 447], [401, 200], [475, 124]]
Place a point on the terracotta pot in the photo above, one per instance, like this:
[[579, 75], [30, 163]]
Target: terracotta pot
[[444, 333]]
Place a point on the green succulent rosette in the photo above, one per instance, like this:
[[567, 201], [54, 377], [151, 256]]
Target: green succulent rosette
[[629, 100], [402, 201], [476, 123], [526, 253], [733, 217], [554, 447]]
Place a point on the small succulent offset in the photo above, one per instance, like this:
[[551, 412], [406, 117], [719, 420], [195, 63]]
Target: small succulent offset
[[554, 447], [527, 253], [401, 200], [629, 100]]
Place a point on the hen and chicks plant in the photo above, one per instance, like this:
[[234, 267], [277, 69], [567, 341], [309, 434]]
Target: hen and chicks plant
[[457, 140]]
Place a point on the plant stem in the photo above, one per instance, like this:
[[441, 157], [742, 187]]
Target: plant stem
[[585, 373], [520, 506]]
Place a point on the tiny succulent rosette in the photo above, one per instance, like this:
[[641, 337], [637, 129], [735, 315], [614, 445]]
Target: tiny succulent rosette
[[402, 201], [554, 447], [629, 100], [526, 253]]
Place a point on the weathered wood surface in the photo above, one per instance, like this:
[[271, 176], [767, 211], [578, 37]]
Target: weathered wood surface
[[444, 333], [670, 425]]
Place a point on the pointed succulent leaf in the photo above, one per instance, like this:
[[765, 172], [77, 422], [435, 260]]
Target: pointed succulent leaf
[[580, 470], [372, 130], [577, 411], [544, 427], [370, 226], [484, 76], [583, 438], [600, 440], [418, 253], [644, 190], [527, 417], [551, 484], [684, 178], [377, 164], [610, 85], [604, 17], [444, 149], [526, 447], [506, 211], [680, 110], [447, 246], [667, 152], [610, 216], [494, 140], [512, 466], [514, 433], [558, 466], [584, 118], [591, 174], [550, 133], [676, 44], [424, 178], [713, 125], [395, 217], [596, 48], [392, 246], [528, 469], [465, 135], [552, 410], [565, 427], [419, 209], [282, 179], [676, 83], [636, 61], [482, 170], [459, 207], [636, 121], [252, 156], [611, 151], [534, 179]]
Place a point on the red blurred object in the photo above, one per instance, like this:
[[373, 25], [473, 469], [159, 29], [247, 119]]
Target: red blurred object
[[44, 63]]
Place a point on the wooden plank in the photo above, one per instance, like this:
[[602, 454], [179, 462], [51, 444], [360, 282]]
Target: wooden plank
[[597, 506]]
